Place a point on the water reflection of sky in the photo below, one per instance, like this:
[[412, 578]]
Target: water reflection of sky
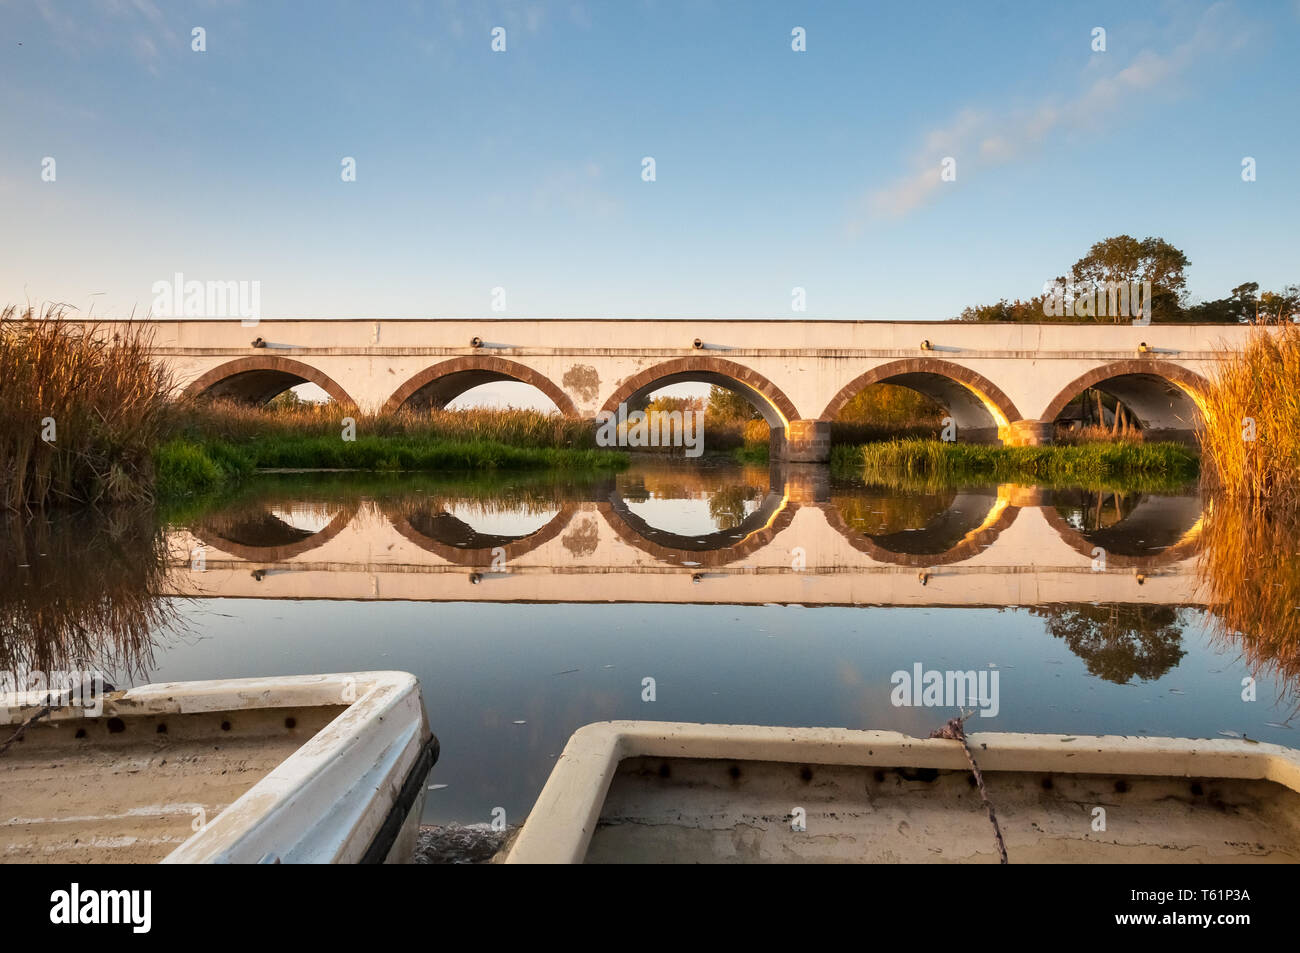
[[483, 667], [685, 517], [310, 517], [497, 521]]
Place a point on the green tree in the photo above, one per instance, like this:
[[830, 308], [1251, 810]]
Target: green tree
[[889, 405], [1239, 306], [727, 405], [287, 400], [1278, 306], [1025, 312], [1123, 260]]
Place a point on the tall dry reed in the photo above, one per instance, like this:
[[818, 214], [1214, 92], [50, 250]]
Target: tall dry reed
[[1251, 435], [80, 411]]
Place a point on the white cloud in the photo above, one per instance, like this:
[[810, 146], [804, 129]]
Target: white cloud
[[94, 27], [982, 139]]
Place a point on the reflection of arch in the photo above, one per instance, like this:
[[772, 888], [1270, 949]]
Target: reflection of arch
[[1144, 387], [439, 385], [482, 556], [975, 402], [707, 550], [256, 379], [775, 407], [1187, 546], [213, 533], [1000, 515]]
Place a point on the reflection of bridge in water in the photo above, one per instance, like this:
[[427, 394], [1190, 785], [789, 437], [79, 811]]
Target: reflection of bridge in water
[[797, 541]]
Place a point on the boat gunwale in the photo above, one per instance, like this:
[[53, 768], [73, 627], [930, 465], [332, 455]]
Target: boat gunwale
[[561, 824], [201, 696], [338, 775]]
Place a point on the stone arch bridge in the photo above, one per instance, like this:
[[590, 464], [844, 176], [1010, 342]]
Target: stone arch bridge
[[1005, 382]]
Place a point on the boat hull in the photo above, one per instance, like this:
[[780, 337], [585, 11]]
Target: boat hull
[[297, 769], [663, 792]]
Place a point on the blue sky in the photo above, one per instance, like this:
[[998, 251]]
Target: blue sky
[[522, 169]]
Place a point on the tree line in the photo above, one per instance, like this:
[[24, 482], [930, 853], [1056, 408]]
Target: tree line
[[1124, 260]]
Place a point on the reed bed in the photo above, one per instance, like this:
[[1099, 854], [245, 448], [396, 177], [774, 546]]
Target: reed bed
[[1251, 434], [420, 453], [1095, 464], [240, 423], [80, 412], [212, 443]]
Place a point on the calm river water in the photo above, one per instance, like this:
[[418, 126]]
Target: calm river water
[[530, 605]]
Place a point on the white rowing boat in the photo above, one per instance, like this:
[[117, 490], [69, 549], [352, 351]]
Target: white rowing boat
[[656, 792], [297, 769]]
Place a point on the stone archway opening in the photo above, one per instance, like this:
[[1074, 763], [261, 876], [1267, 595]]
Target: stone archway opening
[[455, 384], [979, 410], [884, 411], [1159, 399], [789, 436], [258, 380]]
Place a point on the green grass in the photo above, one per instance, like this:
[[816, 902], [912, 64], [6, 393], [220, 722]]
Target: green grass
[[406, 453], [195, 467], [1155, 465], [185, 467], [751, 453]]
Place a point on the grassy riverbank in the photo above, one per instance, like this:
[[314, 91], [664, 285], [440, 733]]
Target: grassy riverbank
[[1086, 464], [187, 466], [217, 443]]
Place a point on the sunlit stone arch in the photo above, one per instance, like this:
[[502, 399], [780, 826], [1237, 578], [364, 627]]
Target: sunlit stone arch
[[776, 408], [1163, 395], [979, 407], [442, 383], [258, 378]]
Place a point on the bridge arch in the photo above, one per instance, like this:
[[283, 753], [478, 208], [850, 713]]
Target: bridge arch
[[776, 408], [256, 534], [443, 382], [1175, 523], [980, 516], [1163, 395], [437, 531], [439, 385], [702, 551], [977, 405], [258, 378]]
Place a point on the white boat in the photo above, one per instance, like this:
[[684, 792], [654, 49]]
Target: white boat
[[298, 769], [656, 792]]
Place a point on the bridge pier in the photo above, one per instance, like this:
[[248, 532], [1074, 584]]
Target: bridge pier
[[804, 441], [803, 483], [1028, 433]]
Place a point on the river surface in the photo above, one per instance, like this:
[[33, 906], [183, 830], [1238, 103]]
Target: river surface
[[529, 605]]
